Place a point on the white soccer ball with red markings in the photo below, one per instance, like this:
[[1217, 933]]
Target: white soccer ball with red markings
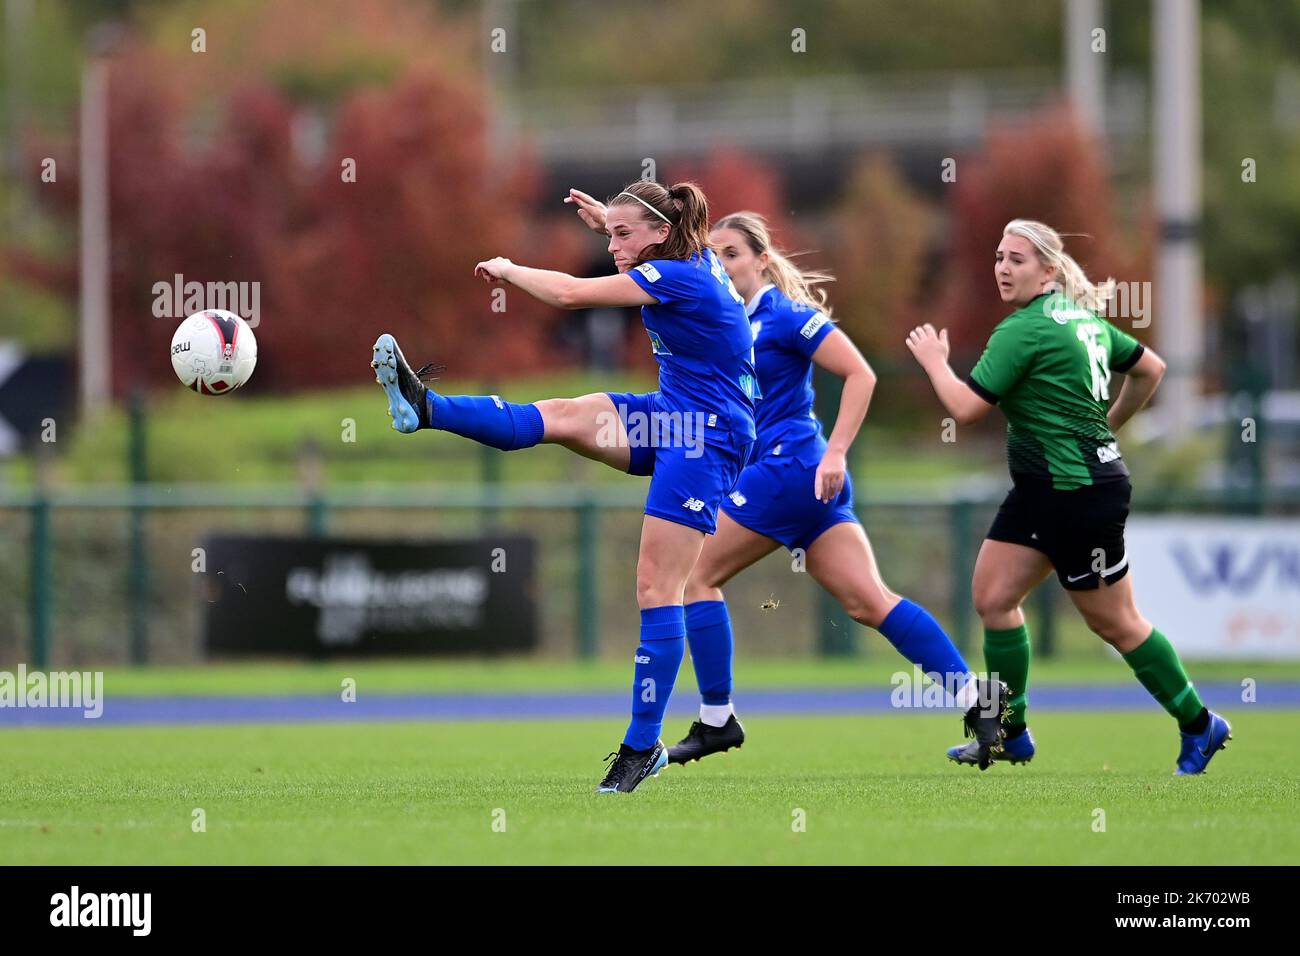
[[214, 352]]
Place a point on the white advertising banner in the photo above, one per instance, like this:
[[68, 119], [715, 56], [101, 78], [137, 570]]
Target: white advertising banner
[[1219, 587]]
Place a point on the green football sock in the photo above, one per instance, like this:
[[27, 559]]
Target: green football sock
[[1006, 653], [1156, 664]]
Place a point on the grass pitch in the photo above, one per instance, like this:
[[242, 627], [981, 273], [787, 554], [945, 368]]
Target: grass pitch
[[872, 789]]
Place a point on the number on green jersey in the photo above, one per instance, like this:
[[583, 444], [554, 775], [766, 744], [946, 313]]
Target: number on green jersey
[[1098, 365]]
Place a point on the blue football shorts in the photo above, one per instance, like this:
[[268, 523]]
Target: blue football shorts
[[776, 498], [689, 474]]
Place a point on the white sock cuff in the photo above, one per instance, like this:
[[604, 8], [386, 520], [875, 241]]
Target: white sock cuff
[[716, 715]]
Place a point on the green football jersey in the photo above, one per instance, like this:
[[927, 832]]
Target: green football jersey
[[1048, 366]]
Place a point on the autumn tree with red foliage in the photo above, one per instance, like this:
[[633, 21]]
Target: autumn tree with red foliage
[[734, 180], [337, 261], [878, 233]]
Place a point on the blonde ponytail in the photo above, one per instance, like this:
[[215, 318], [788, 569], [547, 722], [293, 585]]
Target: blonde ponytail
[[1069, 274], [796, 284]]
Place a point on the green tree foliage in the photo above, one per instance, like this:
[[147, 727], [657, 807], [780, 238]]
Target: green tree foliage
[[735, 180], [680, 41], [1251, 91]]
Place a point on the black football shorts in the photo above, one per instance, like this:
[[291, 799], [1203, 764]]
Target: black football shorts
[[1081, 531]]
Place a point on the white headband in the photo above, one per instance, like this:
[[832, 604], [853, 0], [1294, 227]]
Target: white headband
[[650, 207]]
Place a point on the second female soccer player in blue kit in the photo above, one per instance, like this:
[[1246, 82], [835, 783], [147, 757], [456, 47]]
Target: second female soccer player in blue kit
[[693, 435], [796, 492]]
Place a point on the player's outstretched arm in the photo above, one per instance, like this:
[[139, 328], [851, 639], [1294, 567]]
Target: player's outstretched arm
[[931, 350], [839, 356], [1140, 384], [562, 290]]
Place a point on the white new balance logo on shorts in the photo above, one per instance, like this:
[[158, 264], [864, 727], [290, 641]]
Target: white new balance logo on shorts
[[694, 504], [738, 499]]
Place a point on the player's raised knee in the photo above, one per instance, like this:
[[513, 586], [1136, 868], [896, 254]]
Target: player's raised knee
[[559, 416], [990, 602]]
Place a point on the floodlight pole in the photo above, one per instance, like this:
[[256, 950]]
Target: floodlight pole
[[95, 358], [1085, 74], [500, 72], [18, 34], [1177, 301]]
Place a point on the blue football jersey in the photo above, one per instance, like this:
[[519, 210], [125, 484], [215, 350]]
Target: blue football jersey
[[786, 334], [701, 338]]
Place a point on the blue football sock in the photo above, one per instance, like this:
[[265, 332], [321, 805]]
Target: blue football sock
[[708, 630], [486, 419], [663, 641], [919, 638]]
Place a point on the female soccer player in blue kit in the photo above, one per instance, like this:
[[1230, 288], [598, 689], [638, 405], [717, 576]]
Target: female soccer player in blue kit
[[693, 435], [796, 492]]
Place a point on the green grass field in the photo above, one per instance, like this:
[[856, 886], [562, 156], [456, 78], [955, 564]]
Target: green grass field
[[872, 790]]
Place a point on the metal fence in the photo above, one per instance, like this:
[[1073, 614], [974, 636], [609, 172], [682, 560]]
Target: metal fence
[[810, 115], [107, 571]]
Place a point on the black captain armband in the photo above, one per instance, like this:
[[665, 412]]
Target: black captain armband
[[1129, 362], [982, 392]]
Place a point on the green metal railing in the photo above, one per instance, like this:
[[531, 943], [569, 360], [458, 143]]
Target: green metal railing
[[40, 587], [138, 562], [586, 503]]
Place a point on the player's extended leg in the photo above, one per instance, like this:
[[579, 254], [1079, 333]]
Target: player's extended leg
[[668, 553], [726, 553], [1112, 614], [842, 562], [589, 425]]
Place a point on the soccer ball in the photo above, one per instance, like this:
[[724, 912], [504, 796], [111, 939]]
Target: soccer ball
[[213, 352]]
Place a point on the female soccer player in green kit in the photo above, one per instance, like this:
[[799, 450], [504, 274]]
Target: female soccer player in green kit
[[1048, 366]]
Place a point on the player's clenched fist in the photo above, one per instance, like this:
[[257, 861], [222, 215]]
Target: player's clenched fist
[[493, 270]]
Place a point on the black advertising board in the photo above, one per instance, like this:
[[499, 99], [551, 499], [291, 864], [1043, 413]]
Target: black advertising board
[[321, 597]]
